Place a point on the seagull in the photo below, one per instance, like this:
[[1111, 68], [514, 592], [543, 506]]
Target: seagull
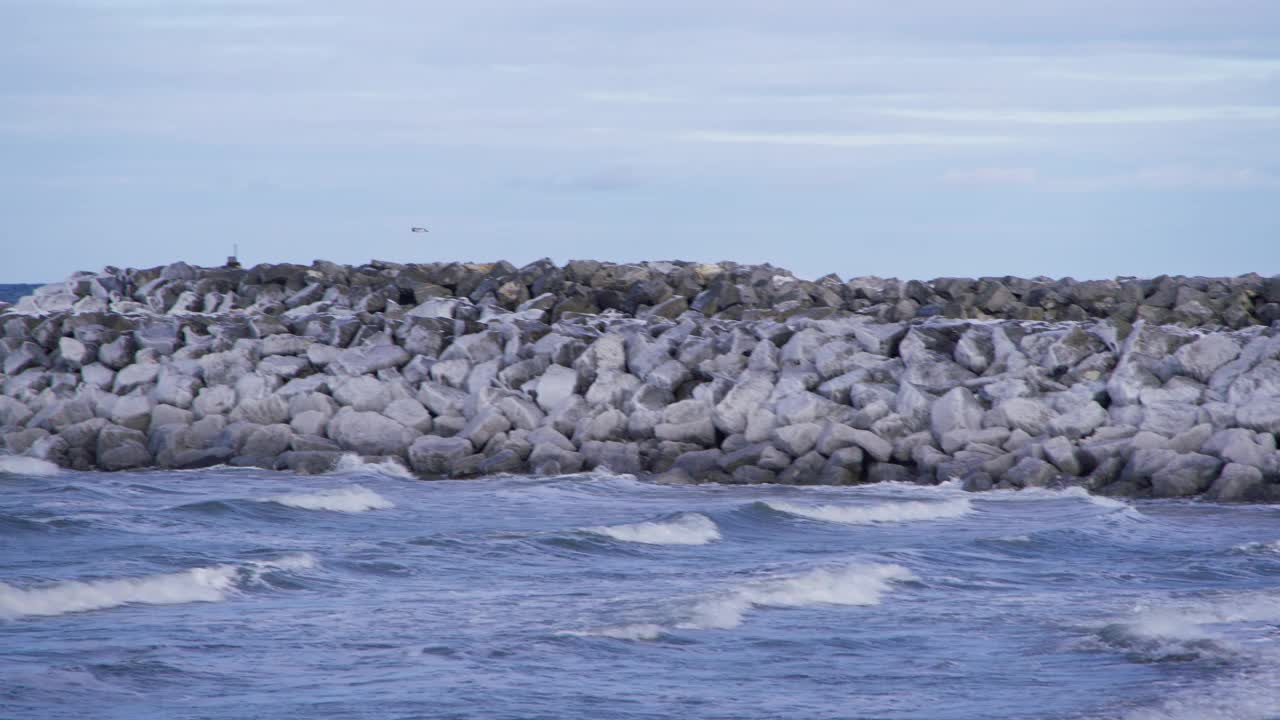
[[417, 229]]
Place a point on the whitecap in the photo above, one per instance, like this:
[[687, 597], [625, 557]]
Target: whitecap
[[351, 499], [1072, 492], [855, 585], [684, 529], [1254, 547], [636, 631], [32, 467], [351, 463], [1248, 695], [1188, 629], [880, 513], [201, 584]]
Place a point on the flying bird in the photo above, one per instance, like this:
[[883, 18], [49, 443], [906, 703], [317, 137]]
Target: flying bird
[[417, 229]]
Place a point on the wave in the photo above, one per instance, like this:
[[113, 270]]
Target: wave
[[351, 463], [852, 585], [1258, 547], [683, 529], [1189, 630], [1074, 491], [201, 584], [636, 631], [351, 499], [881, 513], [29, 466], [1249, 695]]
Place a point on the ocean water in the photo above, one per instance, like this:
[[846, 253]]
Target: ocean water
[[11, 292], [237, 593]]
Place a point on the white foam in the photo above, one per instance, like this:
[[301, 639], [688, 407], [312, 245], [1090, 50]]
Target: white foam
[[684, 529], [22, 465], [637, 631], [880, 513], [1190, 628], [1072, 492], [850, 585], [1251, 695], [1252, 547], [351, 499], [201, 584], [351, 463]]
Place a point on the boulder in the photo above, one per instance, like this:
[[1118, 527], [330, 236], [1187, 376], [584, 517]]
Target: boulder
[[796, 440], [1241, 483], [369, 433], [555, 386], [958, 409], [1031, 473], [436, 455], [1261, 414], [122, 448]]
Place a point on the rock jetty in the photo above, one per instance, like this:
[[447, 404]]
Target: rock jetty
[[1163, 387]]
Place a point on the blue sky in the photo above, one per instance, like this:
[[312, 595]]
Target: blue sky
[[918, 138]]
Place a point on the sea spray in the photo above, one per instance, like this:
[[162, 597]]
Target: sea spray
[[350, 464], [29, 466]]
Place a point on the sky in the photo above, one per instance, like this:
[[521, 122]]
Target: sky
[[914, 138]]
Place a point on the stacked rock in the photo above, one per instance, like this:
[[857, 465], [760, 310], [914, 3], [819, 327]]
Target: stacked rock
[[688, 372]]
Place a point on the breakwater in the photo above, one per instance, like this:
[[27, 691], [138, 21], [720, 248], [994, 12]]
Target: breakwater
[[1161, 387]]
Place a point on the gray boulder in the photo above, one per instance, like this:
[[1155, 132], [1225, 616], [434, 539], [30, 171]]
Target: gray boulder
[[1241, 483], [1031, 472], [369, 433], [437, 455], [958, 409], [122, 448]]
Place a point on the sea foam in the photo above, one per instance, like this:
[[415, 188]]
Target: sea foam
[[22, 465], [684, 529], [351, 499], [880, 513], [201, 584]]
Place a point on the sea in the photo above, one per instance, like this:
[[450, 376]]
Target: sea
[[11, 292], [365, 593]]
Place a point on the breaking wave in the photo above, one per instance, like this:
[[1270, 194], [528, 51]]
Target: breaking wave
[[683, 529], [351, 463], [881, 513], [852, 585], [1189, 630], [22, 465], [351, 499], [201, 584], [1258, 547]]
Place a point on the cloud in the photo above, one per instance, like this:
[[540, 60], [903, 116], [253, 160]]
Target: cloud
[[993, 176], [842, 140], [1119, 116], [604, 180], [1167, 177]]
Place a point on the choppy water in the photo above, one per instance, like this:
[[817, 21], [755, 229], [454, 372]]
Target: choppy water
[[243, 593]]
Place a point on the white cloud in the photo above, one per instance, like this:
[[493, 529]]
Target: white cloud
[[1118, 116], [993, 176], [847, 140]]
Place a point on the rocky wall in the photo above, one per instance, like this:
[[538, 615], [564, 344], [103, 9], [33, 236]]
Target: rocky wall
[[690, 373]]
